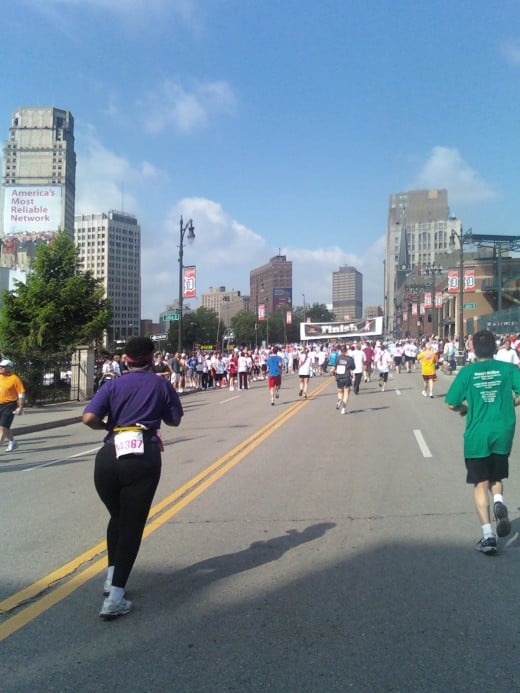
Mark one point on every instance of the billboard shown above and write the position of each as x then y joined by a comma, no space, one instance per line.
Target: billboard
369,327
32,209
32,216
282,299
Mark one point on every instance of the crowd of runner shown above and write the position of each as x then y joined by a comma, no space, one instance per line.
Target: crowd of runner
241,367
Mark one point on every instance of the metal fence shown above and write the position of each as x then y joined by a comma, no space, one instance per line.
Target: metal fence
505,321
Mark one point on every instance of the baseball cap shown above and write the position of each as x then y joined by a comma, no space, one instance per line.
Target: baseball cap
6,362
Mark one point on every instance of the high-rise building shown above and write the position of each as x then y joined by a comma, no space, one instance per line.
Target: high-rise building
109,245
226,304
271,286
347,293
38,182
418,232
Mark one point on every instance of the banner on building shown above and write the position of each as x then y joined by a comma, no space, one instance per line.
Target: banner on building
282,299
422,309
261,311
288,318
427,299
190,282
405,315
32,209
438,299
453,281
332,331
469,279
414,308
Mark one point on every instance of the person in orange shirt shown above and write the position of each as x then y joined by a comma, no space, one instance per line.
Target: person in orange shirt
12,400
428,360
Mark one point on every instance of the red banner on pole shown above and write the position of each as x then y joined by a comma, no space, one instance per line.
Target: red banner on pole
469,279
261,311
427,299
190,282
288,318
453,281
438,299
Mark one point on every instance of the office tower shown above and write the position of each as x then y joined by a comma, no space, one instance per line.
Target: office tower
226,304
418,232
109,245
38,182
271,286
347,293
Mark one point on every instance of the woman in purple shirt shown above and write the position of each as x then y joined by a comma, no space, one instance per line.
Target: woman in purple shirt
128,466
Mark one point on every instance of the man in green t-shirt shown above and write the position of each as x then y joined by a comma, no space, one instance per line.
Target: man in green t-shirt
486,392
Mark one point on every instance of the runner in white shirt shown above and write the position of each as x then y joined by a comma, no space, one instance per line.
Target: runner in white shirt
304,371
507,354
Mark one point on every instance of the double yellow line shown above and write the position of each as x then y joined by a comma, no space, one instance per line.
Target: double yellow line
37,598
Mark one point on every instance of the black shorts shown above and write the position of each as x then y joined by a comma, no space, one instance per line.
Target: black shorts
7,414
492,468
343,383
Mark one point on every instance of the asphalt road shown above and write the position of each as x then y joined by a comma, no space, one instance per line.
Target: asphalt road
289,549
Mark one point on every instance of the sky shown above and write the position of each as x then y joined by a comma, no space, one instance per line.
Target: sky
278,126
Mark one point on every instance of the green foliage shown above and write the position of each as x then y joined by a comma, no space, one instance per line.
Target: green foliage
199,327
243,325
58,308
319,312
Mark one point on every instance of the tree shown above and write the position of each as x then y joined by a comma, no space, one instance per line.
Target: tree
58,308
319,312
199,327
246,328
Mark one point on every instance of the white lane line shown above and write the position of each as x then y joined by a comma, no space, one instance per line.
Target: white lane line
61,459
422,444
229,399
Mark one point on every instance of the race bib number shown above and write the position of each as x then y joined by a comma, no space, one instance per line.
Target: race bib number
341,369
129,443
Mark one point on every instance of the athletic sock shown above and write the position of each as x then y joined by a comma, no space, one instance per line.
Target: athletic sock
110,572
117,593
498,498
487,532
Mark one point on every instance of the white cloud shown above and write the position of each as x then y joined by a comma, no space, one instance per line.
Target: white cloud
224,250
313,268
172,106
105,180
445,168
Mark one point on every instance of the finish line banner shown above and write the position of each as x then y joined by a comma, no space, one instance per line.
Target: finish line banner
372,327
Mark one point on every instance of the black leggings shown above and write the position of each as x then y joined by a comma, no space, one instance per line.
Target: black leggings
242,380
127,487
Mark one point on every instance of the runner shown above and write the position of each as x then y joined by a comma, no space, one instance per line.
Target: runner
274,374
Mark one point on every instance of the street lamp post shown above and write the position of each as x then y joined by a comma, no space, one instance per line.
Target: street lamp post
432,270
461,237
191,237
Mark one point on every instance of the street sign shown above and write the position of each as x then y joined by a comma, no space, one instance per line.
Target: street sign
470,306
158,337
171,316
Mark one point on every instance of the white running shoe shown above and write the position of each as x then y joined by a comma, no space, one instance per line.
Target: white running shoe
343,410
111,609
11,445
106,587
